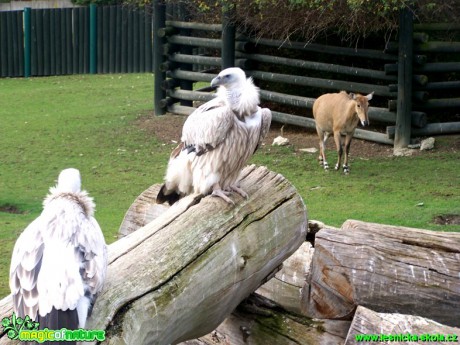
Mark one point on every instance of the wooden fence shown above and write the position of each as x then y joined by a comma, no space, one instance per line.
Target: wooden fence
42,42
175,73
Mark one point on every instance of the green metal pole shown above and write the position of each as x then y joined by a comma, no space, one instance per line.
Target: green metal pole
27,33
92,39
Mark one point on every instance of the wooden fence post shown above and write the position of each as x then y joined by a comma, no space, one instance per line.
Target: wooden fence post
405,54
27,58
159,21
228,36
187,50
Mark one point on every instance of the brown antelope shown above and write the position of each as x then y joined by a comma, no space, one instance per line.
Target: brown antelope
339,113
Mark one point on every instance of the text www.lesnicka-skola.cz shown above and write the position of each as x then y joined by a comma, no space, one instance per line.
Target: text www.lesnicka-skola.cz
426,337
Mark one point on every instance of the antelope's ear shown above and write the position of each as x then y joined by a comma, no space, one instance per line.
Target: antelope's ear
352,95
369,96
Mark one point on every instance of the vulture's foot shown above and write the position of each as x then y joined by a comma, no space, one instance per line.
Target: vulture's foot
222,194
238,190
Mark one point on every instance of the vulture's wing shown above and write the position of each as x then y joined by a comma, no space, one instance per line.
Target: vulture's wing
266,120
25,266
207,126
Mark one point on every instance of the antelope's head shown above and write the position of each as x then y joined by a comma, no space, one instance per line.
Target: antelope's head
362,106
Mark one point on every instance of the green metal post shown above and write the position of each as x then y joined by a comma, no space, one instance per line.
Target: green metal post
27,33
92,39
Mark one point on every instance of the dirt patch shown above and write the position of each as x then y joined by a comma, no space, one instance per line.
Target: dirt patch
11,209
447,219
168,129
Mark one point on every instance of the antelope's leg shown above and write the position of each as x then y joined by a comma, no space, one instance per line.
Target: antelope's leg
338,145
346,168
322,143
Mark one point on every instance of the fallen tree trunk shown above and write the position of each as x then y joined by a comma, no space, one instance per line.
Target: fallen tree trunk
178,277
369,326
258,321
387,269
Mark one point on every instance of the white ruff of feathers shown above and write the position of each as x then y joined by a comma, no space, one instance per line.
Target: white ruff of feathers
82,198
242,97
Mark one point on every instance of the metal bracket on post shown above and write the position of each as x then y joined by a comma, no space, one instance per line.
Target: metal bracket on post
404,102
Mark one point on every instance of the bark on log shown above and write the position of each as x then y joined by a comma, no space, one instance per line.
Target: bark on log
385,268
259,321
369,322
285,288
178,277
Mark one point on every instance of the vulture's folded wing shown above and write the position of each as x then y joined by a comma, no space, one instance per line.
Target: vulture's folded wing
25,265
207,127
92,246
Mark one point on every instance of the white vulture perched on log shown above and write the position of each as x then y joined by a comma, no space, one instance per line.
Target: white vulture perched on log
59,261
217,140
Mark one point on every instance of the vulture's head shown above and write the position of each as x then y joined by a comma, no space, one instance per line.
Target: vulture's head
69,181
230,78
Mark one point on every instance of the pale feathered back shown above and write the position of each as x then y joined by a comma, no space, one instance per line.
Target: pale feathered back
217,140
59,262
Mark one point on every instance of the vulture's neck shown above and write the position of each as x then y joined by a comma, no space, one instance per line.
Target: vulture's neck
243,98
81,198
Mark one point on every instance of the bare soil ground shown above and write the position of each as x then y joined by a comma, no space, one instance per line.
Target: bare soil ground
169,127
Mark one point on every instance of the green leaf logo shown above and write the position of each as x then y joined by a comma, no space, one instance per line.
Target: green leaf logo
13,325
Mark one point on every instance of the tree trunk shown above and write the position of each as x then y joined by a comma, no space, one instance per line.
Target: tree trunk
178,277
385,268
401,328
258,321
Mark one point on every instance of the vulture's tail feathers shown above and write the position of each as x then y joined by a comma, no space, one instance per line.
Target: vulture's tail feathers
58,319
169,196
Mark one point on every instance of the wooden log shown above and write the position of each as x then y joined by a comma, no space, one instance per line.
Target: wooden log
321,66
194,25
370,326
323,83
259,321
325,49
285,287
430,129
387,269
179,276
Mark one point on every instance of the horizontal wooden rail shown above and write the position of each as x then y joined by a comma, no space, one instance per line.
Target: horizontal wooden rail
430,129
194,25
205,42
188,75
318,48
321,66
322,83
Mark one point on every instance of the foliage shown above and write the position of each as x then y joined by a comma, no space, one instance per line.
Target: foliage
307,19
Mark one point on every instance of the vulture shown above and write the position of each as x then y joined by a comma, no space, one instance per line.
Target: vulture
59,261
217,140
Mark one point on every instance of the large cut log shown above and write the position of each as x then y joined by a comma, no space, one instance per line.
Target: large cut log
369,326
258,321
178,277
387,269
285,288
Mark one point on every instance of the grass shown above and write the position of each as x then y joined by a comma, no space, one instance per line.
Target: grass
91,123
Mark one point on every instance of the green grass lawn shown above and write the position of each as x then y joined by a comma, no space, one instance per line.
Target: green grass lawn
90,123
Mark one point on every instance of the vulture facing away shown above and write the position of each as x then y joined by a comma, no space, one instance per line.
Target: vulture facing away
59,261
218,139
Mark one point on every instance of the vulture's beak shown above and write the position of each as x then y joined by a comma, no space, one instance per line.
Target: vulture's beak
216,81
